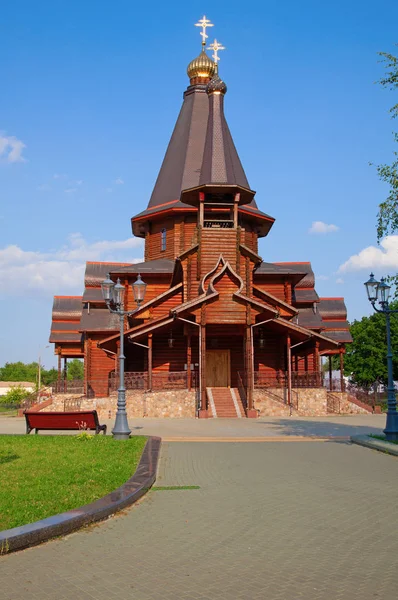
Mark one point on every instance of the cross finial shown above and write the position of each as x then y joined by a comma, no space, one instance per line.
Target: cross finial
203,23
216,47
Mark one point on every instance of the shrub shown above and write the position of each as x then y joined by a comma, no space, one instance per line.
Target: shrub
14,396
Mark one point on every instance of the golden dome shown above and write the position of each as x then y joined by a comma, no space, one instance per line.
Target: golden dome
201,67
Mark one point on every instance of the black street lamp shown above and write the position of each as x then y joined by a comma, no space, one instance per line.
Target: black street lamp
114,299
379,291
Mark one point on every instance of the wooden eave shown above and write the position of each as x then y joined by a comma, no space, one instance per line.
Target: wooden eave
188,252
309,333
258,305
191,194
256,258
159,211
277,301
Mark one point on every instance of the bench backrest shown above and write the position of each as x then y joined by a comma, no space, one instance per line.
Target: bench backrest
62,420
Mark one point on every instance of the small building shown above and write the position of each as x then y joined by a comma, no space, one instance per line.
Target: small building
6,386
218,322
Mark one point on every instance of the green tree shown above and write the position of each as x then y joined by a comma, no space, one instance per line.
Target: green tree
48,376
75,369
20,371
387,222
365,360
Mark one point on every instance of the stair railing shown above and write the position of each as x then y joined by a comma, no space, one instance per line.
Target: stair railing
242,391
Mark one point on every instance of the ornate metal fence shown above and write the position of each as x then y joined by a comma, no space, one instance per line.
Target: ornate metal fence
65,386
139,380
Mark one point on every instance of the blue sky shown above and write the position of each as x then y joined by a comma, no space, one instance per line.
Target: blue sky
90,94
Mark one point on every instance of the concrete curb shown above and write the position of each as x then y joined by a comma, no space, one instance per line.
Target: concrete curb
64,523
375,444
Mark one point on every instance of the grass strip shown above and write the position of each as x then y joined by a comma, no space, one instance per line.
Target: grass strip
45,475
382,438
162,488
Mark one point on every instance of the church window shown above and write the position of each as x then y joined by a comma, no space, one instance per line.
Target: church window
163,240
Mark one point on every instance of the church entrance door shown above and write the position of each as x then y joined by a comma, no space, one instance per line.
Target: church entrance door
218,370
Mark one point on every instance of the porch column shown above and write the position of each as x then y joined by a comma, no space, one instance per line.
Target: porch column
189,360
202,367
150,362
316,364
251,412
65,373
330,373
236,205
59,367
289,369
201,208
342,382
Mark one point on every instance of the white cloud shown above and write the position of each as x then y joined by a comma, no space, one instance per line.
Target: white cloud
62,270
118,181
322,277
44,187
339,280
70,190
109,190
383,258
59,176
321,227
11,148
76,182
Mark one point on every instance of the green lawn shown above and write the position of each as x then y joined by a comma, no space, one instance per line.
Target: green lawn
43,475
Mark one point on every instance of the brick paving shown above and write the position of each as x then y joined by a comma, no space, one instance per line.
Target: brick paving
271,521
237,428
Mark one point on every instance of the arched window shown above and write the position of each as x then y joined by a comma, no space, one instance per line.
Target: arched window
163,240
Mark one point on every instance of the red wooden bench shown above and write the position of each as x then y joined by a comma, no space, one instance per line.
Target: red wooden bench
63,421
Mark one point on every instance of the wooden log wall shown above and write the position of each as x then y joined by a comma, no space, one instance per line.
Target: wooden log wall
165,358
270,359
278,287
250,238
181,233
226,309
99,365
156,284
215,242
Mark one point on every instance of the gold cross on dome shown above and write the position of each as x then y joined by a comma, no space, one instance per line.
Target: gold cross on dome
203,23
216,47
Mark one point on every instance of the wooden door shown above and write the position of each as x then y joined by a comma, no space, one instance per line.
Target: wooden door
218,372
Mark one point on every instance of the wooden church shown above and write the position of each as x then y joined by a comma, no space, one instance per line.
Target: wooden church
217,320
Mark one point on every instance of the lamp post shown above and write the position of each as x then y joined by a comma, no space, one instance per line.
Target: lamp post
114,299
379,291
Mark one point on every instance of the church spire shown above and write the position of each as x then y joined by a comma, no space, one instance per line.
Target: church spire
201,153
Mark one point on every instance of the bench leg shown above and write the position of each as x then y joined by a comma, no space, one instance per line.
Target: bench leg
28,429
36,431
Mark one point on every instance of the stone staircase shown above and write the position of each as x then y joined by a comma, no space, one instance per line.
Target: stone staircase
225,403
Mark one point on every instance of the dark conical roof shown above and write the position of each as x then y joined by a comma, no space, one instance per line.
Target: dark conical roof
183,159
201,138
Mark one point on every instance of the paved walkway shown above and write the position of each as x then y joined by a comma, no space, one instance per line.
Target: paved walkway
269,427
275,521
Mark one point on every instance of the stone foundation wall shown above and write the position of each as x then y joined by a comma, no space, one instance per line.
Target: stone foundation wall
268,406
311,402
176,404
